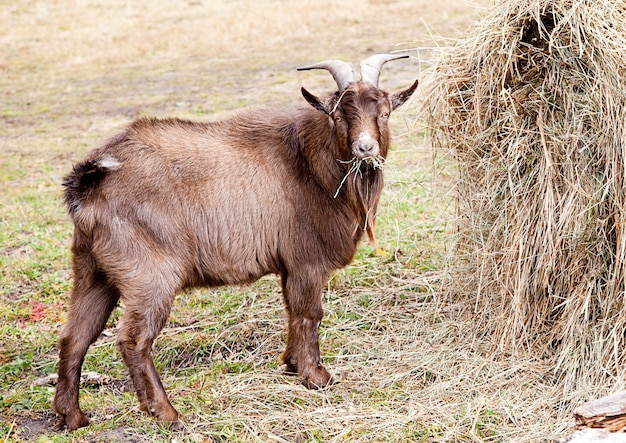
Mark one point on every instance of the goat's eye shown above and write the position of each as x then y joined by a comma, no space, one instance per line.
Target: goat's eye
384,115
337,118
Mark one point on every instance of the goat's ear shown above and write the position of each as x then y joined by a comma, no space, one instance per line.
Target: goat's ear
315,102
398,99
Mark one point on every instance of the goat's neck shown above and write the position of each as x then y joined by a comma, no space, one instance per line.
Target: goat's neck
317,144
360,191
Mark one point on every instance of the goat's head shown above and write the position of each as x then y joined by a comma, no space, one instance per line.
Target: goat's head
359,111
358,115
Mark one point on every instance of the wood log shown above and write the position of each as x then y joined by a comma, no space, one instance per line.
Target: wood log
600,421
90,378
607,412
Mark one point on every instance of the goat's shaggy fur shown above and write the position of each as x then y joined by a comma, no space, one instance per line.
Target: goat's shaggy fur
171,204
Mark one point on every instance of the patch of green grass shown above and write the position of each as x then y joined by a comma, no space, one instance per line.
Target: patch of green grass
26,398
314,436
487,423
418,432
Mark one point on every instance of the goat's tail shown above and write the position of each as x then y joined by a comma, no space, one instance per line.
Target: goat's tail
83,179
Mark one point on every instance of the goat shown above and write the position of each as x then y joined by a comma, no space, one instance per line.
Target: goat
170,204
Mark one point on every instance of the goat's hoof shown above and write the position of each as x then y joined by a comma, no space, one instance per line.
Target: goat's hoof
290,369
318,378
59,425
177,425
169,417
71,422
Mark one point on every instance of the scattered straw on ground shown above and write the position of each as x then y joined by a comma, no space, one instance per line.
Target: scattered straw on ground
406,371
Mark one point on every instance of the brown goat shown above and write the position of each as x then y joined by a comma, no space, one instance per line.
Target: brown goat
172,204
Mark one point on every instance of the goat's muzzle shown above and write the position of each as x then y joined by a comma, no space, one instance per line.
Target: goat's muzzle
365,147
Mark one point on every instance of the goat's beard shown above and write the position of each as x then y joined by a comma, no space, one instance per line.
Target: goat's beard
357,167
364,184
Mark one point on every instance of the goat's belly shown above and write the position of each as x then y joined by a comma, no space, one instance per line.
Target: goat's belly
218,270
226,278
235,256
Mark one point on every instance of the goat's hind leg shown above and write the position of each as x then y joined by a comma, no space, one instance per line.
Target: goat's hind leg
91,303
144,318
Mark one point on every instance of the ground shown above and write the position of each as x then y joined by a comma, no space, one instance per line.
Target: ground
410,368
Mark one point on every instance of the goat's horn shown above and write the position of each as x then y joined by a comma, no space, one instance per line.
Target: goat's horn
341,71
370,67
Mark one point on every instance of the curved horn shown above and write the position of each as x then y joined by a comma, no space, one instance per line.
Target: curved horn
370,67
341,71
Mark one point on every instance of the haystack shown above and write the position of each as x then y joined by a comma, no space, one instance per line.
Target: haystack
532,104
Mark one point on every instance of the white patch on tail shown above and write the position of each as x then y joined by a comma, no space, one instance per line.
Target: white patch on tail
109,163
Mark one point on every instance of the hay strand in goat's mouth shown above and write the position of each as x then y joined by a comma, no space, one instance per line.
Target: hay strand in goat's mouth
355,168
533,106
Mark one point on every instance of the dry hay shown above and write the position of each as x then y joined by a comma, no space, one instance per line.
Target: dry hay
532,105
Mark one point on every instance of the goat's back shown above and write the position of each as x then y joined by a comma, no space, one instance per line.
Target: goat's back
218,203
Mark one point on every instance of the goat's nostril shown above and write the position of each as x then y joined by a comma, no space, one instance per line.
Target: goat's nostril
366,149
365,146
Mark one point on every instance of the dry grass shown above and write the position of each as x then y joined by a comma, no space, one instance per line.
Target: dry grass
532,106
412,368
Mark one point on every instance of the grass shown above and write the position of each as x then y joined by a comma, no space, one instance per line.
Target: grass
410,368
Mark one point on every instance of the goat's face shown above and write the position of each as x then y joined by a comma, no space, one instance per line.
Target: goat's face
359,117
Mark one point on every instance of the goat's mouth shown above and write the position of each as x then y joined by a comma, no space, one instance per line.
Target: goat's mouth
358,166
374,162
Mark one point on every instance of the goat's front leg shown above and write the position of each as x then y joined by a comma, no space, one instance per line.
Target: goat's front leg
303,300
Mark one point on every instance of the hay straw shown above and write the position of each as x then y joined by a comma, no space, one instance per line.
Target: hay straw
410,377
532,105
377,162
